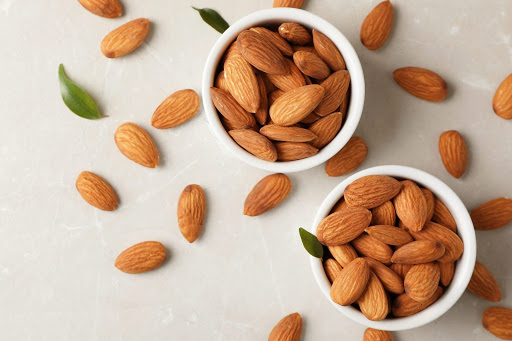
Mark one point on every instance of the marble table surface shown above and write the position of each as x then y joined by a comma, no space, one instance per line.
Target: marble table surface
57,277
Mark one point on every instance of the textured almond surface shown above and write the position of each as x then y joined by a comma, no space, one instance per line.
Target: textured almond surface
401,269
377,26
191,212
374,301
492,214
103,8
344,226
391,281
336,87
483,284
418,252
451,241
498,321
288,134
294,33
275,39
389,234
502,101
422,280
404,305
343,254
255,143
267,194
443,216
447,271
296,104
288,3
351,282
326,129
411,206
291,151
261,115
136,144
340,205
96,191
231,110
328,51
242,82
384,214
371,334
292,79
422,83
332,269
311,64
176,109
221,82
429,198
125,38
142,257
274,95
368,246
348,158
372,191
261,53
453,151
288,329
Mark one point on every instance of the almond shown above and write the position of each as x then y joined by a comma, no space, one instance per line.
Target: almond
371,334
351,282
389,234
288,134
340,205
231,110
326,129
451,241
261,53
230,51
453,151
332,269
418,252
343,254
336,87
292,79
443,216
103,8
255,143
483,284
348,158
447,271
372,190
242,83
401,269
267,194
296,104
136,144
411,206
374,300
422,83
311,65
221,82
295,33
502,101
429,198
422,280
291,151
191,211
377,26
288,329
176,109
261,115
288,3
391,281
328,51
96,191
269,86
275,39
384,214
125,38
344,226
498,321
274,95
311,118
404,305
142,257
368,246
309,49
493,214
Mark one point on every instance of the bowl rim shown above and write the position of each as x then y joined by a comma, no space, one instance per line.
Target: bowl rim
312,21
465,264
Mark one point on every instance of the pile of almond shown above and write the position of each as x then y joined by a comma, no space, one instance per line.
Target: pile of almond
282,94
393,247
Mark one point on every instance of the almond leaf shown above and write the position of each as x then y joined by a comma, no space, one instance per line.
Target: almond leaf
212,18
311,243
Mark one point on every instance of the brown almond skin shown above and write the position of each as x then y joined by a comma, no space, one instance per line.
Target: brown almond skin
368,246
191,212
103,8
231,110
261,53
288,329
422,280
328,51
429,198
344,226
384,214
326,129
350,284
255,143
401,269
498,321
451,241
422,83
267,194
287,134
418,252
292,79
176,109
372,191
294,33
296,104
443,216
344,254
483,284
96,191
261,115
411,206
447,271
332,269
221,82
492,214
348,158
336,87
371,334
311,65
340,205
142,257
136,144
374,301
291,151
276,39
454,153
502,101
274,95
391,281
125,38
389,234
377,26
242,82
288,3
404,305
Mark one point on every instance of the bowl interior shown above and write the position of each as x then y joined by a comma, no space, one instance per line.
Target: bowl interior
464,266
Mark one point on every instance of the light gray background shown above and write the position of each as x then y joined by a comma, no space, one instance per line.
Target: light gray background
57,277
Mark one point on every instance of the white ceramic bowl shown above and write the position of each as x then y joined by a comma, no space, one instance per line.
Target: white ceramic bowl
464,267
278,16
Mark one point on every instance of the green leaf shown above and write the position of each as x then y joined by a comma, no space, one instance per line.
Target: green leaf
311,243
212,18
77,100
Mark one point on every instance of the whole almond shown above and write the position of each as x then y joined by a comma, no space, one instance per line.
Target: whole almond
374,300
261,115
422,83
372,190
502,101
242,82
296,104
221,82
443,216
411,206
418,252
292,79
191,212
389,234
96,191
451,241
274,38
371,334
332,269
291,151
422,280
136,144
348,158
447,272
344,254
326,129
404,305
384,214
377,26
287,134
288,3
498,321
261,53
340,205
391,281
343,226
142,257
294,33
351,282
231,110
309,49
255,143
453,151
274,95
176,109
103,8
328,51
401,269
288,329
429,198
483,284
311,65
492,214
267,194
125,38
230,51
336,87
368,246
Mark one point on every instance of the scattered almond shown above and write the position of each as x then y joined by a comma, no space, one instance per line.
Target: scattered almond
502,101
348,158
483,284
422,83
191,212
103,8
96,191
498,321
178,108
136,144
453,151
377,26
267,194
371,334
142,257
288,3
125,38
493,214
288,329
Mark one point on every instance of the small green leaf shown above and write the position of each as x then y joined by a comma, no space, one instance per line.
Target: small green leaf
77,100
311,243
212,18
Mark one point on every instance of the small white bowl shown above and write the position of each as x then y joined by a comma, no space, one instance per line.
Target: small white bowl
309,20
464,266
